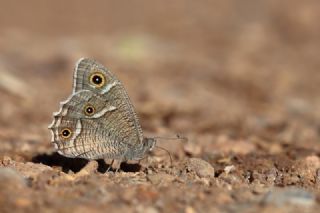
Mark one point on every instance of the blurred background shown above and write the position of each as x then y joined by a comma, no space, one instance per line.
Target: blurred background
194,68
233,76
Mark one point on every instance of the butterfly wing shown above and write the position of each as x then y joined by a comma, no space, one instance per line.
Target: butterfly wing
98,119
93,76
89,126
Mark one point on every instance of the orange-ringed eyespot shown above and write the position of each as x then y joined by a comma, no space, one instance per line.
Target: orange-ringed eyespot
97,79
66,133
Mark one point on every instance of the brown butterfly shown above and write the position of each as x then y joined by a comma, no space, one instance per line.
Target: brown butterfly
98,120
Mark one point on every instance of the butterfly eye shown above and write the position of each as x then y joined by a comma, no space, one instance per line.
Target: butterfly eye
97,79
89,110
66,133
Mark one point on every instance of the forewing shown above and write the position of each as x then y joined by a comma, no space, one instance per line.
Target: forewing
112,89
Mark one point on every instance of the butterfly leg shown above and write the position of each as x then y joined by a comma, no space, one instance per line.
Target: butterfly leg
117,169
120,160
110,165
117,165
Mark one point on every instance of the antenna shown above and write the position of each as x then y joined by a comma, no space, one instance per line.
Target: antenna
178,137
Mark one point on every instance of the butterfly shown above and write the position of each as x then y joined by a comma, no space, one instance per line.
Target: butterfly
98,120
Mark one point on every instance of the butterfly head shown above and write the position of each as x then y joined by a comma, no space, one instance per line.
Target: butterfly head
149,144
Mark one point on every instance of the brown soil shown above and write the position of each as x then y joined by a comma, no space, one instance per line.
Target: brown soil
240,79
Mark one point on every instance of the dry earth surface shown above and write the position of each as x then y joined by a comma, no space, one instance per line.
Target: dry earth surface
240,79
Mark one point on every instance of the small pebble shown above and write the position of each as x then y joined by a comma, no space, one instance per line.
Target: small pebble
6,160
229,169
11,179
200,167
259,189
90,168
271,176
192,149
157,179
291,195
308,167
31,170
189,209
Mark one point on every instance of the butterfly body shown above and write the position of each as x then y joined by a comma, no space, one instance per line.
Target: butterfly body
98,120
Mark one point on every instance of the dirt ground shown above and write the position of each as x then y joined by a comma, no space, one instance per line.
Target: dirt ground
239,79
